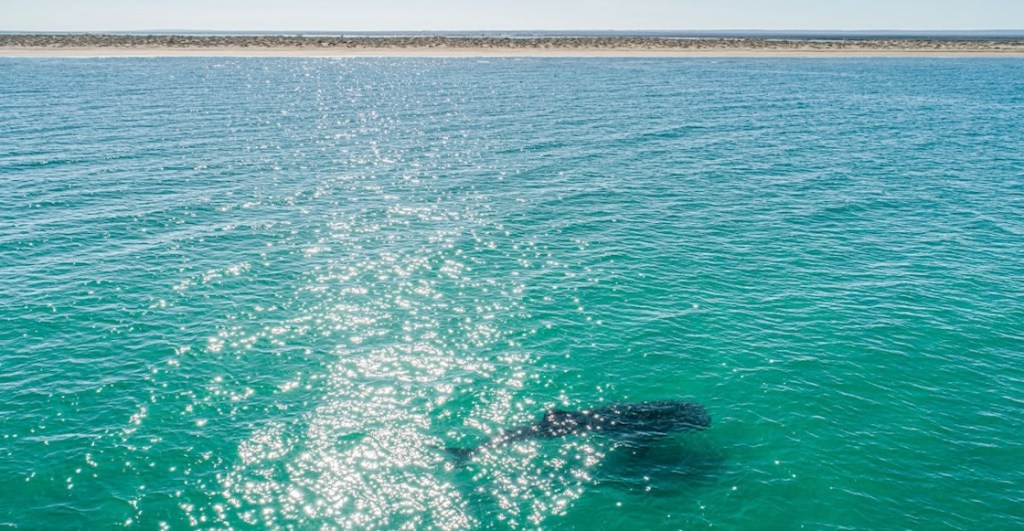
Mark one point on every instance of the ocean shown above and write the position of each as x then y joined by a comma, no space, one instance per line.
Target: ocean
249,292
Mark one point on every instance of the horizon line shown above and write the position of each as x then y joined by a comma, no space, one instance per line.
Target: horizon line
530,30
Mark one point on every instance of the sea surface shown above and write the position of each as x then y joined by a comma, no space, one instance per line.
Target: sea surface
270,292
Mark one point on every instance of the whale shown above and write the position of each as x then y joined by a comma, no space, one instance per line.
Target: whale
645,420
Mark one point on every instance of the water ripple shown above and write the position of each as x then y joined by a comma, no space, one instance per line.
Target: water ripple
262,292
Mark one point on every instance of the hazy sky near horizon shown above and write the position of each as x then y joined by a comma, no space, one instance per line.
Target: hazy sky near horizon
384,15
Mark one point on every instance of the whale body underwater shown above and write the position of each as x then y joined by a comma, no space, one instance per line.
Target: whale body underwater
634,419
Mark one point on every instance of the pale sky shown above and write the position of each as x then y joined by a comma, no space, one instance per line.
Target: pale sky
385,15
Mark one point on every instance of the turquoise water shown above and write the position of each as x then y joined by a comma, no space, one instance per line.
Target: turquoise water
240,292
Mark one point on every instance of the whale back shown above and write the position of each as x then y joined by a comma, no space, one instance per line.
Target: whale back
641,419
645,418
654,418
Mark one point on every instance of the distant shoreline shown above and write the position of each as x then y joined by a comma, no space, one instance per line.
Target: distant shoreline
98,45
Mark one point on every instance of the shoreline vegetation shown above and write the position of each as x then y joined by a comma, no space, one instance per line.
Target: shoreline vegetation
93,45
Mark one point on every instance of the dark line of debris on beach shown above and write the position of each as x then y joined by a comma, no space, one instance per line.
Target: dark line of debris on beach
51,41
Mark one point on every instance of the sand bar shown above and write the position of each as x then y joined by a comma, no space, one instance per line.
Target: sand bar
97,45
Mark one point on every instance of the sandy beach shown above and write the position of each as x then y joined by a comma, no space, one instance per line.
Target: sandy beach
96,45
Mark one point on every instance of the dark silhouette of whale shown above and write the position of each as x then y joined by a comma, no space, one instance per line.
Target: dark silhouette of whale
639,419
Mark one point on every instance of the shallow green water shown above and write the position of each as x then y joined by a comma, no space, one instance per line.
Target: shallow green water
241,292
